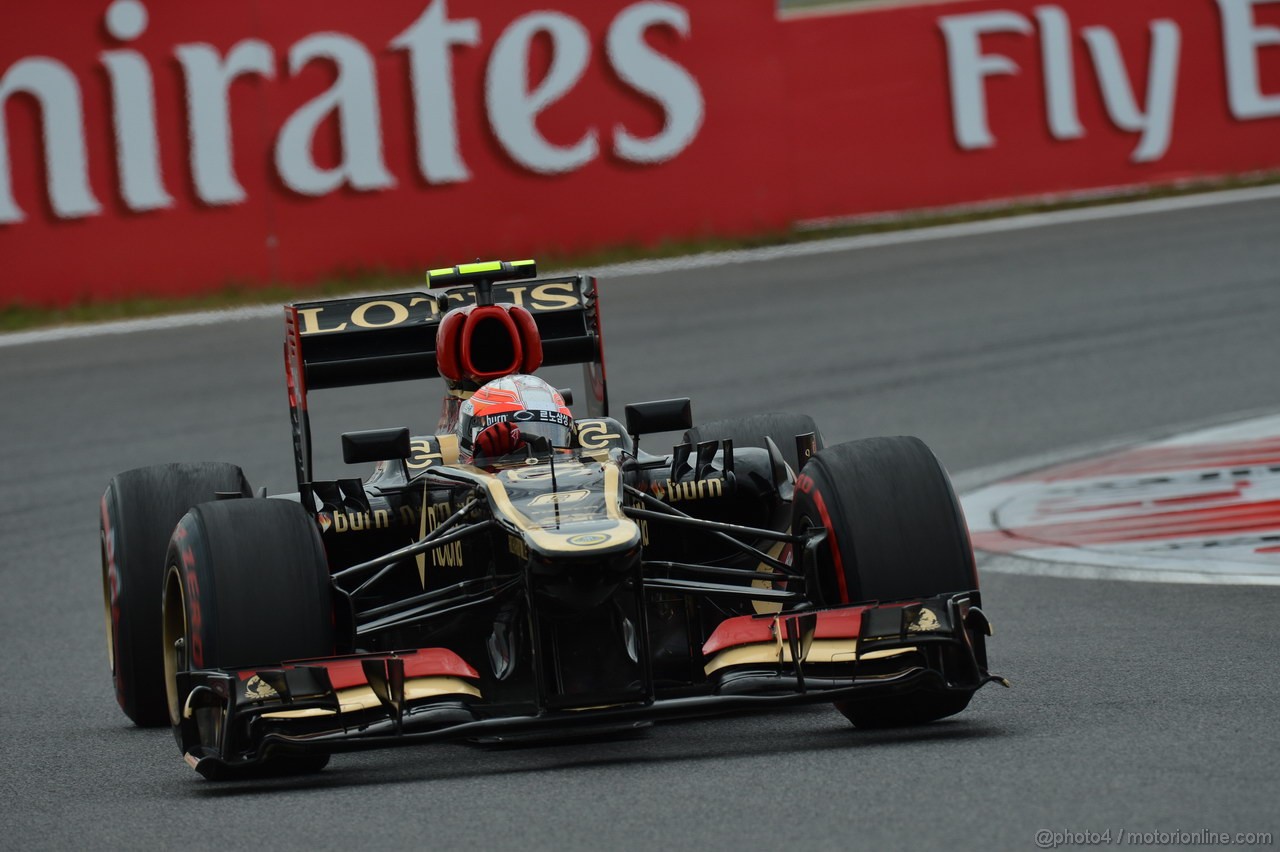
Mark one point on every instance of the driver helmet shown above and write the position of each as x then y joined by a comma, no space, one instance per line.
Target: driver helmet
505,413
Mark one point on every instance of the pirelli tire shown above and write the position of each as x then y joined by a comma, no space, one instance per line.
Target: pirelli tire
246,584
751,431
139,510
896,531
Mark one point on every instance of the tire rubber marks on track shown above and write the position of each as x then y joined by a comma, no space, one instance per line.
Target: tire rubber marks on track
1201,507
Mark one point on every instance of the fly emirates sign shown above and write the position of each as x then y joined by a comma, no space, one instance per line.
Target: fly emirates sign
1150,117
512,105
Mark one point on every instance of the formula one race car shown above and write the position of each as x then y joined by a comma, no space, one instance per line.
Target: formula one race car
523,572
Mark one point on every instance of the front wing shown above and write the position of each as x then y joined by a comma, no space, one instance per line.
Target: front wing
237,719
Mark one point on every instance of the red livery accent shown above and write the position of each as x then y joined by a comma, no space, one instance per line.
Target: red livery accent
743,630
295,375
754,629
449,345
483,342
840,623
185,147
346,672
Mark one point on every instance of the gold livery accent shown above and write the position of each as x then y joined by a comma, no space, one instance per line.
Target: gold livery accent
560,498
774,653
422,533
764,607
596,435
409,308
432,452
257,689
924,622
357,698
550,529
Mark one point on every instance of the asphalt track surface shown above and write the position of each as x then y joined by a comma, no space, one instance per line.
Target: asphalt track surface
1135,706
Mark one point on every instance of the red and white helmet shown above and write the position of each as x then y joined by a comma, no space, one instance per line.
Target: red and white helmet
514,408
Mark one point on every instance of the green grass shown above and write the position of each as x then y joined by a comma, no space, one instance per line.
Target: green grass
17,316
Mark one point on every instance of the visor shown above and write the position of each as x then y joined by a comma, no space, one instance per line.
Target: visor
553,426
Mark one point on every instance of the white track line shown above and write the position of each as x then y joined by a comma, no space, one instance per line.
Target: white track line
723,258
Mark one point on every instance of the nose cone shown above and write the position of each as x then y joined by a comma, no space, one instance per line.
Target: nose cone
568,585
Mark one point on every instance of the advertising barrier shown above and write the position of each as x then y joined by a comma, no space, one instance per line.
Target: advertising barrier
177,148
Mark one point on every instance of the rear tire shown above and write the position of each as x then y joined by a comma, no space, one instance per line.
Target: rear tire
751,431
895,531
246,584
139,511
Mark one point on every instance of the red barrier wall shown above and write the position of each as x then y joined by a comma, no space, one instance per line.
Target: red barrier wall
178,147
889,141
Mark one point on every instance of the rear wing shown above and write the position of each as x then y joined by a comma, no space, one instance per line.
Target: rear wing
390,338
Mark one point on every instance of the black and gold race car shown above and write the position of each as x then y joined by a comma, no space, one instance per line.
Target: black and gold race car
473,590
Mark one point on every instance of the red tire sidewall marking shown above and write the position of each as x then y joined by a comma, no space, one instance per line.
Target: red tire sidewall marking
113,585
191,584
806,485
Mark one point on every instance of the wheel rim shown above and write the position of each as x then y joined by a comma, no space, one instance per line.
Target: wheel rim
174,630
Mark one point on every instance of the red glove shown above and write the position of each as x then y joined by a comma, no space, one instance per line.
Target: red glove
498,440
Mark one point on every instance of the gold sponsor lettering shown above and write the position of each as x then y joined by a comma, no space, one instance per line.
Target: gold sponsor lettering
564,470
379,519
311,321
431,303
560,498
399,314
385,313
449,556
698,489
517,547
554,297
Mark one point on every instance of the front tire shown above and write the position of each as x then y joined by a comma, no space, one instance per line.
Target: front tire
895,532
246,584
140,508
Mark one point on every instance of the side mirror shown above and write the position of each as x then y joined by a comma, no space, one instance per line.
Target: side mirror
375,445
664,415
